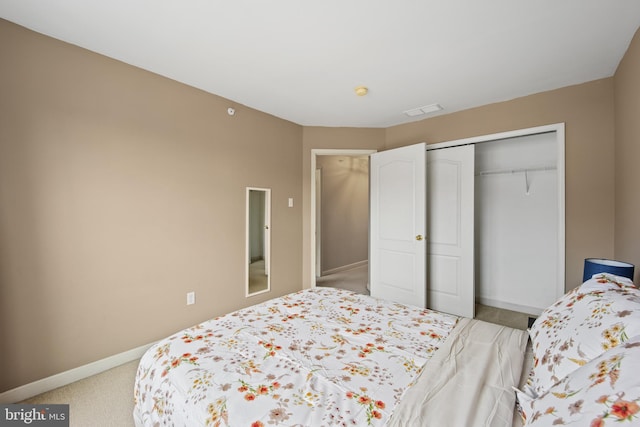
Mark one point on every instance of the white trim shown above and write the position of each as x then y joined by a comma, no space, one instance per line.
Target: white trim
346,267
312,223
318,228
559,129
44,385
561,177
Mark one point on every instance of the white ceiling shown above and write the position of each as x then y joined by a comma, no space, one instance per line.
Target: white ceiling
301,60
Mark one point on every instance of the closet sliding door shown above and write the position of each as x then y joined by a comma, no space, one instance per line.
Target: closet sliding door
423,200
450,230
507,200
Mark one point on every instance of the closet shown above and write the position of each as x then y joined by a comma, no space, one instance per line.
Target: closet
517,222
489,227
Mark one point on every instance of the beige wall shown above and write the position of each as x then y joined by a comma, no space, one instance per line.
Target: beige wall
345,210
627,173
120,191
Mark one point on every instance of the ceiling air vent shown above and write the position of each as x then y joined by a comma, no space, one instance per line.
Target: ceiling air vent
427,109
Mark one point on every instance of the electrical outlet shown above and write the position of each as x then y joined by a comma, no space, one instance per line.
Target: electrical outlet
191,298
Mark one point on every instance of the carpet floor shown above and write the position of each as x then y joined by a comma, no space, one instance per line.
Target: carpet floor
102,400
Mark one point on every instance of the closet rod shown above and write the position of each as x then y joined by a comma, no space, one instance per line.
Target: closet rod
511,171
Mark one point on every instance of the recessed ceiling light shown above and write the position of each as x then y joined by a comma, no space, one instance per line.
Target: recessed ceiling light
427,109
361,90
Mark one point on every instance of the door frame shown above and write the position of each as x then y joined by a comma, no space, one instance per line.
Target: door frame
559,129
312,223
318,229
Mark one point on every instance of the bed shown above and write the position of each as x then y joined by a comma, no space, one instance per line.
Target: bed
325,357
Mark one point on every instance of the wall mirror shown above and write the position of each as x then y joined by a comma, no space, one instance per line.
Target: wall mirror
258,240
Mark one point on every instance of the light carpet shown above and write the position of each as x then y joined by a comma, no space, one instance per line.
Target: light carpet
102,400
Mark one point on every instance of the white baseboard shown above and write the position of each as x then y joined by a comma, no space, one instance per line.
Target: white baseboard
58,380
345,267
534,311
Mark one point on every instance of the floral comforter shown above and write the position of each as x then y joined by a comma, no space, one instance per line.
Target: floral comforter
318,357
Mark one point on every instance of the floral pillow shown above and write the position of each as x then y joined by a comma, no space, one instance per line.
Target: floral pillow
604,281
604,392
589,320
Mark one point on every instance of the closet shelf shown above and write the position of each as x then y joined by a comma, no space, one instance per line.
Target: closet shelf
526,171
512,171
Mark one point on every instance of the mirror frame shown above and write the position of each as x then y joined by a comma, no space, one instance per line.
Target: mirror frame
266,242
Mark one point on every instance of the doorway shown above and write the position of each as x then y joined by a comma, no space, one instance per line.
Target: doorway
340,218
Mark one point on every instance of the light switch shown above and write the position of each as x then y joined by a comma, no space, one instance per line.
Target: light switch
191,298
290,202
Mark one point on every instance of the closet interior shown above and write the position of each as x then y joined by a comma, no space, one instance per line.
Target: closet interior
519,243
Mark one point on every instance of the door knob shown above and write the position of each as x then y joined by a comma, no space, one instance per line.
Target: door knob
419,237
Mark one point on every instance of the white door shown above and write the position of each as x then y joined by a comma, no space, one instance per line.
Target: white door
398,212
450,233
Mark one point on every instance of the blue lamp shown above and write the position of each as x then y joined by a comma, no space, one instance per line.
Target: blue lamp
598,265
